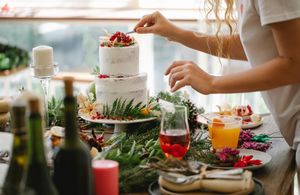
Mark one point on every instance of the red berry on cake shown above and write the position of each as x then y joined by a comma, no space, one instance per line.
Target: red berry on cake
103,76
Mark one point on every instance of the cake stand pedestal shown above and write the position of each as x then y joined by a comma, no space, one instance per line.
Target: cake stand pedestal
120,125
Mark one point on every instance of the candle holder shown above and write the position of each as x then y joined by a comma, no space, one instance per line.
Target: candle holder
44,74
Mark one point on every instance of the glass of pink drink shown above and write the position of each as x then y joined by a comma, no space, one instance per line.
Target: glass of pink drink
175,133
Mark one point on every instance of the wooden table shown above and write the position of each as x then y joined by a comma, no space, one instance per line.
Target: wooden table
277,176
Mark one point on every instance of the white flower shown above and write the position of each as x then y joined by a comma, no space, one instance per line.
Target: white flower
87,105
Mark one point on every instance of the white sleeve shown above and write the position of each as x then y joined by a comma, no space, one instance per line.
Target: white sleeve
272,11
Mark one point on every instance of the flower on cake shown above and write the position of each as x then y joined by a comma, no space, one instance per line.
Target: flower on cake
88,106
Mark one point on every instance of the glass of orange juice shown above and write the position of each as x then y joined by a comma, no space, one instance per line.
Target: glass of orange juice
224,130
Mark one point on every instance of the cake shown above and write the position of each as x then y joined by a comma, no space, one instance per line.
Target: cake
119,76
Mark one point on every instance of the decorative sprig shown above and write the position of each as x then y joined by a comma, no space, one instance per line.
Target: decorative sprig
96,70
55,111
192,110
122,109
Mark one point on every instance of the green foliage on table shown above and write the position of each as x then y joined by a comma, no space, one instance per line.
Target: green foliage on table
55,112
193,111
138,147
134,148
12,57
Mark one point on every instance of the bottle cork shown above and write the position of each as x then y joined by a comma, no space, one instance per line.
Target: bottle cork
34,105
18,111
68,86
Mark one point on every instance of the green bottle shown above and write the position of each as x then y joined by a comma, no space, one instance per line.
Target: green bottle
72,165
18,160
37,178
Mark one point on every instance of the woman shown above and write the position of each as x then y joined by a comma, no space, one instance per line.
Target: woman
268,37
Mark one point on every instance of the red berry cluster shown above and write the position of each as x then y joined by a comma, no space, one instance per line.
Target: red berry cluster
97,116
120,37
100,116
103,76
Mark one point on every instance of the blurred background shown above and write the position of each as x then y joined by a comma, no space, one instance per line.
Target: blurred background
72,28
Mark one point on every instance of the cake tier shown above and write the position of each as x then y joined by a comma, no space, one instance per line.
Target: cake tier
118,61
134,87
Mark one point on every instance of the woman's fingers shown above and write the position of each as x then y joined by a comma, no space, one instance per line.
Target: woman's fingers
143,21
175,64
176,77
145,30
179,84
146,24
174,71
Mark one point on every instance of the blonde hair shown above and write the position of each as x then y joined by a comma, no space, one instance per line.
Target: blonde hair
215,7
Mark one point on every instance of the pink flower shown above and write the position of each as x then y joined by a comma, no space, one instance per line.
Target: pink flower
228,154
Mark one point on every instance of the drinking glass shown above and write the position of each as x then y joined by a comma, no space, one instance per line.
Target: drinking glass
224,130
174,132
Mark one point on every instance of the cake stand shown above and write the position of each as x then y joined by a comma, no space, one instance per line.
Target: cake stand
120,125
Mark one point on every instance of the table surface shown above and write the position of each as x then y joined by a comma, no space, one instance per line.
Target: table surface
277,176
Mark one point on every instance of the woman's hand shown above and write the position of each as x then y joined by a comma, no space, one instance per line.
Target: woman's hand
156,23
187,73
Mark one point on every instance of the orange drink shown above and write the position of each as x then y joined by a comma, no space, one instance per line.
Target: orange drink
224,131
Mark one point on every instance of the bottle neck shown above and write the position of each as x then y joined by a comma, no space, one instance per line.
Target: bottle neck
71,134
19,143
36,145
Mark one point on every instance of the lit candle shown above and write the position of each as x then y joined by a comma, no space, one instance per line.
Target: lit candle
106,177
42,56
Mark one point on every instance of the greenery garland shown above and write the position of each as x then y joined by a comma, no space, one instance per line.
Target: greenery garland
12,57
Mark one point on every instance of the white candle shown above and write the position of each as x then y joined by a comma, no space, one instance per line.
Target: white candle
42,56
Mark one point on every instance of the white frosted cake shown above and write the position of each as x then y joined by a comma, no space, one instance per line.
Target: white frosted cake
119,71
119,61
134,87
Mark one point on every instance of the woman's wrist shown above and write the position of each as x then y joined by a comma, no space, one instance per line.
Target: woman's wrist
176,34
214,85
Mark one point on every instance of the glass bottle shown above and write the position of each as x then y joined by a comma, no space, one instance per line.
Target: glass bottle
37,178
72,165
18,159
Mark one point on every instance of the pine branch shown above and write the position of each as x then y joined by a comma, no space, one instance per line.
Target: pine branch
122,109
128,107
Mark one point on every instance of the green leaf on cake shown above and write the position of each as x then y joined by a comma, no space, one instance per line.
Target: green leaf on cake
96,70
113,108
123,109
118,106
128,107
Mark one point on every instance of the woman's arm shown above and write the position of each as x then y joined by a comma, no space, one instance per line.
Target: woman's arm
209,43
280,71
156,23
283,70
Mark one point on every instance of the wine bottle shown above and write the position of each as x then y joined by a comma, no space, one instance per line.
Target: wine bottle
18,161
72,165
37,178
